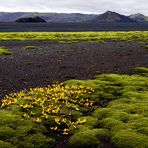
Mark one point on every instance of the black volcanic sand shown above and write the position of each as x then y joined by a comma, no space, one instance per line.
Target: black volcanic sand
59,62
83,26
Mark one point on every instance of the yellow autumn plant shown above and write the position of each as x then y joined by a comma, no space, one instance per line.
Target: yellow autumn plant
40,103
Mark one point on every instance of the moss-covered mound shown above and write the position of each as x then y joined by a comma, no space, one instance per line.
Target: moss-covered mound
16,132
109,111
124,110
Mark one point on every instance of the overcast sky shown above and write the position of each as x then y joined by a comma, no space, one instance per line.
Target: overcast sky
81,6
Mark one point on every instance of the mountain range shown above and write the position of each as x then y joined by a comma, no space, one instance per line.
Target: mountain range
108,16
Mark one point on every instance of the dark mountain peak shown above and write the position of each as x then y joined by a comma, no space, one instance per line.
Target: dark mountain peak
110,16
31,19
109,12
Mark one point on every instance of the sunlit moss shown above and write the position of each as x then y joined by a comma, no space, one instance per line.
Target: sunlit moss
14,129
30,47
4,51
130,139
89,138
4,144
71,37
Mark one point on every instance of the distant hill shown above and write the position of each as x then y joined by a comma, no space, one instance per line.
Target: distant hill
110,16
31,19
48,17
10,17
139,17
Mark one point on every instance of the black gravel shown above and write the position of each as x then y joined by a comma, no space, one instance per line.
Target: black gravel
53,61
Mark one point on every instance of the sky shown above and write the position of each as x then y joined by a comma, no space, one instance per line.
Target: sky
75,6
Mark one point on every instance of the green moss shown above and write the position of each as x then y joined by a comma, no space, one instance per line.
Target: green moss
85,139
6,132
119,127
91,121
109,123
30,128
30,47
33,140
80,128
4,51
102,112
125,107
15,109
87,83
9,119
76,36
6,145
74,113
129,139
103,135
139,122
122,116
22,133
146,47
143,130
142,70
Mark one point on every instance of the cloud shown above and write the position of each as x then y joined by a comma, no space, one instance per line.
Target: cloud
82,6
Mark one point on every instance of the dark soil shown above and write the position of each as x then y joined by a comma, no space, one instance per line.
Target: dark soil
59,62
82,26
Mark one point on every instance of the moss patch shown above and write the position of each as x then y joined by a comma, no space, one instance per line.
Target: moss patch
129,139
4,51
16,132
71,37
30,47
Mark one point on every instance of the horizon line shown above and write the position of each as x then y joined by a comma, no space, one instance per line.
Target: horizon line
67,12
